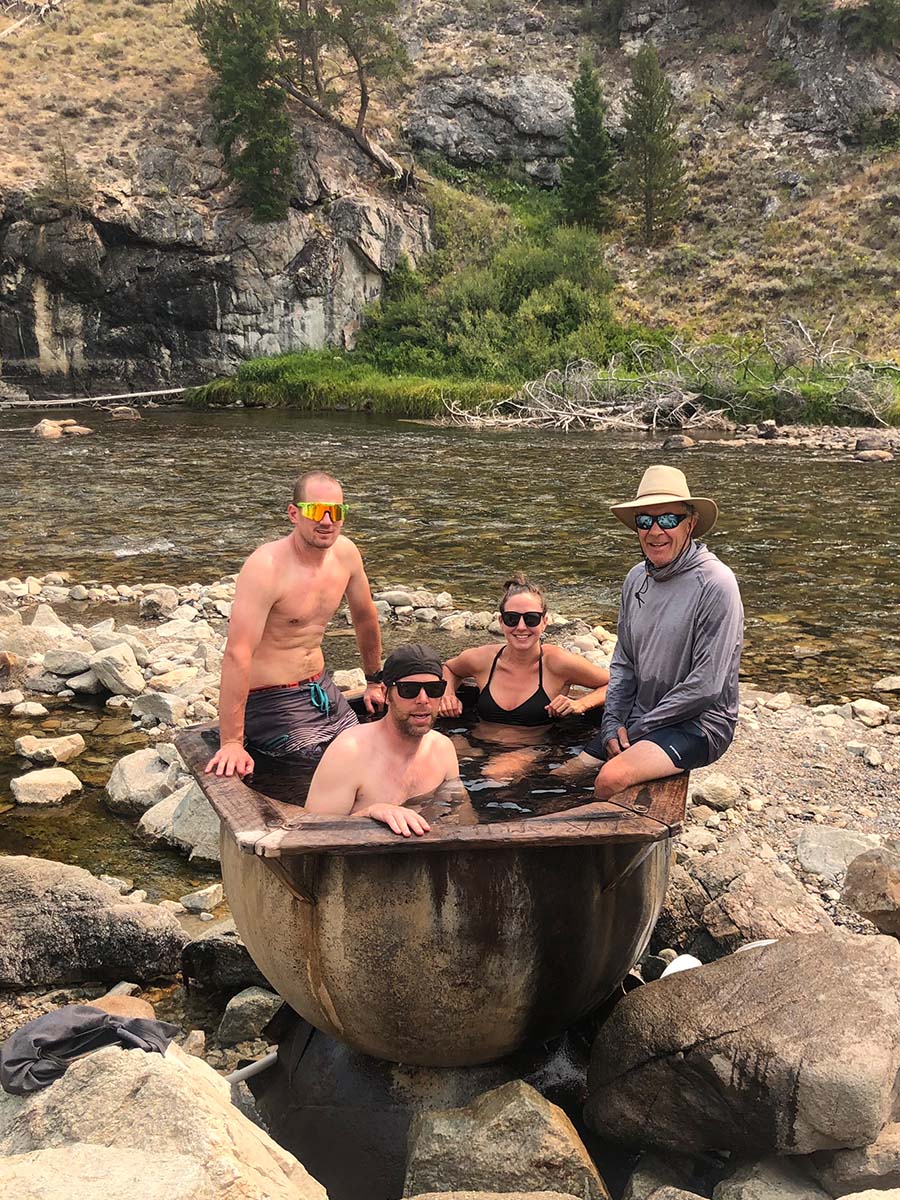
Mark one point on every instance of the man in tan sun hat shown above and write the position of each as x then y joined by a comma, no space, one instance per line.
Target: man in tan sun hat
672,702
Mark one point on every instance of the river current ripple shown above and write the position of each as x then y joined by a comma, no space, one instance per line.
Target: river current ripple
182,496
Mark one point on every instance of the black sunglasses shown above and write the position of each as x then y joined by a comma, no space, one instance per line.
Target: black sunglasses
531,619
645,521
408,689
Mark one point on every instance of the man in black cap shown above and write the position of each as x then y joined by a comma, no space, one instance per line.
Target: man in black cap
372,770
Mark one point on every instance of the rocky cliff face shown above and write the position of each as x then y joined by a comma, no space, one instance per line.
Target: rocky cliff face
162,278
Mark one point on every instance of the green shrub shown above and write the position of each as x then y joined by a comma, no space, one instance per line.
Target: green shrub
873,26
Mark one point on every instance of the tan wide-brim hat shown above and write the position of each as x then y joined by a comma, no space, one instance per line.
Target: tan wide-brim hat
662,485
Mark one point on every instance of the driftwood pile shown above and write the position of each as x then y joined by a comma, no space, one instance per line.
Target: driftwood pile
670,384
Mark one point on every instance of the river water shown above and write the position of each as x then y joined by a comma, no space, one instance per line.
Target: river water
182,496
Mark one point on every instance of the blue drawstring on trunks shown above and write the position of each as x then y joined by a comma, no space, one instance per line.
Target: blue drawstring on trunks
318,697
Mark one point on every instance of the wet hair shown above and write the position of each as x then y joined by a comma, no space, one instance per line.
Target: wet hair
307,476
519,584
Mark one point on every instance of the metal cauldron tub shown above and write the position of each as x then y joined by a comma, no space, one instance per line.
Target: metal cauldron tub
454,949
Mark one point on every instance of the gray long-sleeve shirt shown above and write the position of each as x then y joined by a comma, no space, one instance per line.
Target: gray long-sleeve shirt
681,629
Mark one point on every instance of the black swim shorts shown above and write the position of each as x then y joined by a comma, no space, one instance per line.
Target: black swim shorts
300,719
686,748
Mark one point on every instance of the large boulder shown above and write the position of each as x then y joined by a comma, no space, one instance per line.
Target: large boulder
787,1048
146,1126
140,780
219,960
58,924
186,821
753,896
872,888
480,122
509,1139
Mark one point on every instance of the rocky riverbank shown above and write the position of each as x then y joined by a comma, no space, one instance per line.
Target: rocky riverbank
793,836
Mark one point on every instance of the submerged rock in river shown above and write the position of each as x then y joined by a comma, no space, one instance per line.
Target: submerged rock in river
787,1048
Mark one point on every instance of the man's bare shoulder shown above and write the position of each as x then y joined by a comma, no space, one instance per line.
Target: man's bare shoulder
347,552
266,559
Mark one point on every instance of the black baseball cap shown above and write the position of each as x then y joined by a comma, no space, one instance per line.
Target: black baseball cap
415,658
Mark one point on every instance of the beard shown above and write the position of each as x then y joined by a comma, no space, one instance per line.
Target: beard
407,728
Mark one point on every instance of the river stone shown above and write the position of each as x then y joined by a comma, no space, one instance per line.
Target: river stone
50,750
157,1120
494,1196
508,1139
219,960
140,780
58,924
870,712
396,598
87,683
872,888
808,1061
769,1179
46,620
827,851
161,602
68,660
715,789
28,708
171,681
186,821
753,895
50,786
454,623
190,631
874,1166
159,707
204,900
246,1015
117,669
874,456
889,683
656,1171
350,681
107,638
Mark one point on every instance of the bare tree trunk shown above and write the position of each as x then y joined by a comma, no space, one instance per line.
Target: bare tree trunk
389,166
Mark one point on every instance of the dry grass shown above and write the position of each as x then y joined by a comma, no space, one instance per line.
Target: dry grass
104,77
111,76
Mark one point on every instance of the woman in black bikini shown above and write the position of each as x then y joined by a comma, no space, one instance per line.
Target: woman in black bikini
523,683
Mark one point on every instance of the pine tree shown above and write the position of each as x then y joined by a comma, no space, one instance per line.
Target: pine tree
238,39
587,174
652,173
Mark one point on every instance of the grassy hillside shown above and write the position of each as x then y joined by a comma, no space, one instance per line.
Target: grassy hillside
107,77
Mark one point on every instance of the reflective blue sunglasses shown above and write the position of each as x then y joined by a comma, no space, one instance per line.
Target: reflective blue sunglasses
644,521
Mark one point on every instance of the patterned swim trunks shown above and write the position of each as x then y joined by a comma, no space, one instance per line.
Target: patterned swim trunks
299,719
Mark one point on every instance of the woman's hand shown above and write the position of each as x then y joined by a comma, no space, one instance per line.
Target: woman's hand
400,819
451,705
564,706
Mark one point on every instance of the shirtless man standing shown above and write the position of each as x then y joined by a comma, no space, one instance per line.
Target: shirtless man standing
372,770
275,691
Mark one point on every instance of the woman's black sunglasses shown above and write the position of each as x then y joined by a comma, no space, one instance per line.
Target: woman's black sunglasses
408,689
531,619
645,521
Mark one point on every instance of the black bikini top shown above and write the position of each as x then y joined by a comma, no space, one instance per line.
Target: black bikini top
532,711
